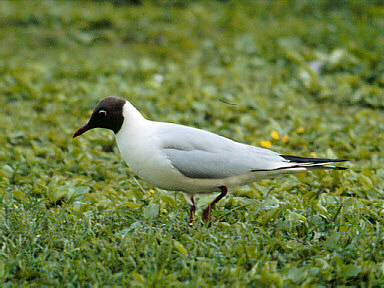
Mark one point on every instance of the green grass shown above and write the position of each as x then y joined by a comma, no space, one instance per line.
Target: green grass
73,214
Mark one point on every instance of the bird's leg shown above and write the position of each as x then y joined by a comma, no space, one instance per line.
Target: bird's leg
207,211
192,211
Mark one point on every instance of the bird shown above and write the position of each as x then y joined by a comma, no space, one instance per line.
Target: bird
191,160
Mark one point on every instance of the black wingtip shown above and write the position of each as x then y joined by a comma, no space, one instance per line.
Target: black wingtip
340,168
298,159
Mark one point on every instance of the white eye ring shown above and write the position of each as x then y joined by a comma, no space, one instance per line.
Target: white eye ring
103,112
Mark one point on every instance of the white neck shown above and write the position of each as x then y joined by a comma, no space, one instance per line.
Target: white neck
130,112
132,120
133,135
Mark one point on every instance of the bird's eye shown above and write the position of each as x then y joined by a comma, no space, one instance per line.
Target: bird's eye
103,113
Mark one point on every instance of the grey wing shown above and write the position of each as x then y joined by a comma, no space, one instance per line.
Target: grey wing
201,154
205,165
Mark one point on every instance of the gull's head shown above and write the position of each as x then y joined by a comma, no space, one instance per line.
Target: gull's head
108,113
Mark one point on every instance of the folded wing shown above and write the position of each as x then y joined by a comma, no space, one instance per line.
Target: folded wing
201,154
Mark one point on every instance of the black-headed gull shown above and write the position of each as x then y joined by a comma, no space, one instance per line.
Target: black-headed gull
180,158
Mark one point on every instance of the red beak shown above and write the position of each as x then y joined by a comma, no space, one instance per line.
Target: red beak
81,130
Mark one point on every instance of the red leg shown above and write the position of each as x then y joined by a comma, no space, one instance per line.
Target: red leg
207,211
192,211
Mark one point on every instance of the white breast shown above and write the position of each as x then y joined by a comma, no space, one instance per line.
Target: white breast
139,147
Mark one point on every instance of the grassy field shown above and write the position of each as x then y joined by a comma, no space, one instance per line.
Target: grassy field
302,78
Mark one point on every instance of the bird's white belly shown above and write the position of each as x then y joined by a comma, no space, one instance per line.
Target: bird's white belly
150,165
153,167
153,170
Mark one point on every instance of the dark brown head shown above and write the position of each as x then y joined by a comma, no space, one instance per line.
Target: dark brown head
108,113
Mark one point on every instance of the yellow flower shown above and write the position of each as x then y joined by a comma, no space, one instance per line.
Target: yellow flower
300,130
285,138
275,135
266,144
313,154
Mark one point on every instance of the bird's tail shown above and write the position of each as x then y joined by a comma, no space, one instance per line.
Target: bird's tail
313,163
